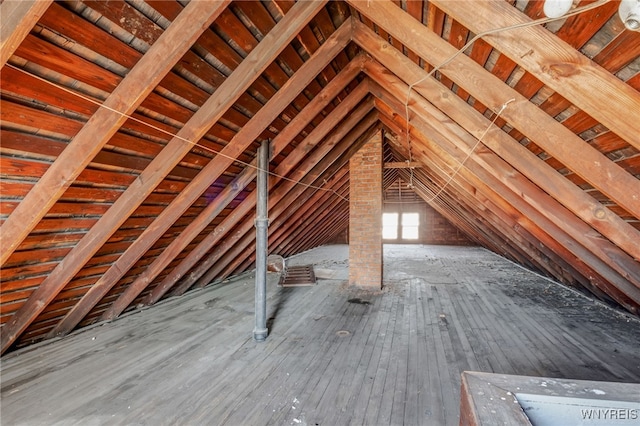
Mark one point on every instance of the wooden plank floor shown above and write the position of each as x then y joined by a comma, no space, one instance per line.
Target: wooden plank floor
333,357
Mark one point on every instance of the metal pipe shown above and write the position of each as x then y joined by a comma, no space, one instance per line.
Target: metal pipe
261,223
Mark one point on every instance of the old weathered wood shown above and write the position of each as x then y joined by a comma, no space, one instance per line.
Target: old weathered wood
105,122
170,155
311,218
546,220
552,136
564,191
625,266
488,399
289,195
241,210
297,195
206,177
18,18
401,165
469,206
559,66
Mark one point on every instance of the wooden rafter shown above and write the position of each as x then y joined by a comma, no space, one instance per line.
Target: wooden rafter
102,125
488,167
242,77
314,164
553,137
295,126
508,225
605,251
209,174
298,195
459,200
587,208
554,62
288,92
18,18
401,165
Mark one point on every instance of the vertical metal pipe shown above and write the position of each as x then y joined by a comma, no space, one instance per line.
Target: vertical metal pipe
261,222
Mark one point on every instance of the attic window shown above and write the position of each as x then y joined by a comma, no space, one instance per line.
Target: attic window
410,223
403,226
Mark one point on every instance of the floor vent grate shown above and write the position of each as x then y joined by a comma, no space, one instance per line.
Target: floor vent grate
298,276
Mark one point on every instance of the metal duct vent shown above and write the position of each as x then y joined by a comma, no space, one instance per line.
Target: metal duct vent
298,276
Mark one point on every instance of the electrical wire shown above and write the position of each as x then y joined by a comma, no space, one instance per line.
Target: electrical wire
406,103
410,89
172,135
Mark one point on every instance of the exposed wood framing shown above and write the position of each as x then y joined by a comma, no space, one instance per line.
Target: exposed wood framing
550,135
102,125
299,195
18,17
512,227
209,174
194,130
285,95
587,208
402,165
287,196
100,213
555,63
490,171
283,139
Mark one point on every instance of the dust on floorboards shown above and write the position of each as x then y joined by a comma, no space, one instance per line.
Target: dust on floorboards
334,356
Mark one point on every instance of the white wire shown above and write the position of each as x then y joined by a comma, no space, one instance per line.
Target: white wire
462,49
173,135
406,104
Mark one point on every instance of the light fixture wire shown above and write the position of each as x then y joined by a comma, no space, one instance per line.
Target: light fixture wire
478,36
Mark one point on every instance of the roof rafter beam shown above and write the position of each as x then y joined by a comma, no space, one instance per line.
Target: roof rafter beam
284,138
209,174
288,195
298,195
572,197
311,206
18,18
548,207
313,214
130,93
451,141
554,62
223,98
524,244
553,137
498,219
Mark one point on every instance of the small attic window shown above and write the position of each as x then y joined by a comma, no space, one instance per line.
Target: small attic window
403,226
410,224
390,226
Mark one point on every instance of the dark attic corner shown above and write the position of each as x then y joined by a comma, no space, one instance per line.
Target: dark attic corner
447,208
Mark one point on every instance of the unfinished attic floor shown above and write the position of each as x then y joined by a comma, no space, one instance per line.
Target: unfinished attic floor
333,357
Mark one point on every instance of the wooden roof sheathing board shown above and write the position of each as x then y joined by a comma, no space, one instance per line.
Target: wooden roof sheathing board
129,131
